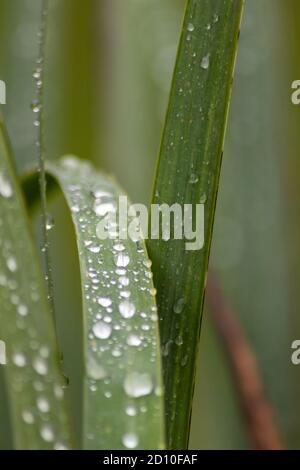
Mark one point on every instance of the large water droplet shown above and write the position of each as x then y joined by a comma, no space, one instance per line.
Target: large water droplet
122,260
190,27
130,440
12,264
102,330
27,417
205,62
47,433
40,366
19,359
179,306
126,309
104,301
102,209
138,385
134,340
6,189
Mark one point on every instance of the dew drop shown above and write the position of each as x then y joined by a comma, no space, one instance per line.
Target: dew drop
40,366
22,310
130,440
27,417
190,27
205,62
102,330
119,247
5,187
19,359
134,340
49,222
95,370
47,433
122,260
130,410
124,281
43,404
138,385
126,309
104,301
193,178
102,209
203,198
12,264
179,306
94,248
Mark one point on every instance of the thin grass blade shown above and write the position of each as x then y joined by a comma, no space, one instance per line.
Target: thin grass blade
188,173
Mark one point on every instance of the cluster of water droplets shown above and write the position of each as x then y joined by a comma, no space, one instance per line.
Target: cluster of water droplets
119,298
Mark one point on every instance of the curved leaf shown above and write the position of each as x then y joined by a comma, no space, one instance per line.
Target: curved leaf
123,402
32,375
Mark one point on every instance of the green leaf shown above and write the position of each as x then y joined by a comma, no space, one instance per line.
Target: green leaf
188,173
32,375
122,384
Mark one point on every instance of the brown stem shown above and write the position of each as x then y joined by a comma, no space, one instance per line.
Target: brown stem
259,415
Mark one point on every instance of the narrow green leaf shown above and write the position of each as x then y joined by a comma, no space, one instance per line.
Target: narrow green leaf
188,173
122,386
32,375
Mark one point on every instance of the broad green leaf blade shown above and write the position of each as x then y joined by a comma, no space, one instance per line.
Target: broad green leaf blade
32,374
188,173
123,399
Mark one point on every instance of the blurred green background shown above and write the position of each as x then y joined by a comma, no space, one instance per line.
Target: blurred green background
108,74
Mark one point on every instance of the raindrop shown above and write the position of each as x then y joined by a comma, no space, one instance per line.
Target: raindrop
5,187
22,310
126,309
138,385
98,193
179,306
19,359
122,260
102,209
27,417
47,433
49,222
203,198
43,404
124,281
94,248
94,370
102,330
130,410
119,247
12,264
134,340
36,106
130,440
205,62
60,446
104,301
190,27
40,366
193,178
